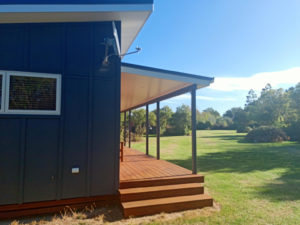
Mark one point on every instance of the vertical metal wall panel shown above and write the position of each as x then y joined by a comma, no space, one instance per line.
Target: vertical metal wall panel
75,137
78,49
103,160
41,160
9,160
46,48
13,47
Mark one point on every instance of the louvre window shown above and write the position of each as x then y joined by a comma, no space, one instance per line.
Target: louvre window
31,93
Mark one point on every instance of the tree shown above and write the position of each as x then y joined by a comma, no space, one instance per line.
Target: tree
180,123
165,116
251,97
138,122
212,112
241,118
231,112
271,108
152,122
207,119
295,100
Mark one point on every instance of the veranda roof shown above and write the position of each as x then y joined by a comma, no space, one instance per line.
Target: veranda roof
142,85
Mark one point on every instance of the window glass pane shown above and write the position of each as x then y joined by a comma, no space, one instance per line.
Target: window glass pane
32,93
1,81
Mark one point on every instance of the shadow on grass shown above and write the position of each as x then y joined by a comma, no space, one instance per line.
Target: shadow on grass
257,157
238,138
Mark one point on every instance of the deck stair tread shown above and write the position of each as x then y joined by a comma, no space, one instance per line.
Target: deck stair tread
164,201
170,204
154,192
159,188
149,186
193,178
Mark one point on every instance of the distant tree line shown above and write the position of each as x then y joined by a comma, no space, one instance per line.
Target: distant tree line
277,108
171,123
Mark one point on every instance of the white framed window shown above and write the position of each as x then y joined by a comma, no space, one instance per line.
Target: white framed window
31,93
2,90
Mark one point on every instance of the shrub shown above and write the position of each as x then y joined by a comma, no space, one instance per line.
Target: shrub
243,129
266,134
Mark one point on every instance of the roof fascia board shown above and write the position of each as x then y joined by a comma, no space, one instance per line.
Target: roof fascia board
35,8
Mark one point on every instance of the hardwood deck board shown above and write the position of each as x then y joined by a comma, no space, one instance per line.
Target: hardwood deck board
138,166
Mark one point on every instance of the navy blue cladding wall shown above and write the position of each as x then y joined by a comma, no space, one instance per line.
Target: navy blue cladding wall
75,138
10,140
45,48
78,50
103,136
40,175
12,47
43,149
9,2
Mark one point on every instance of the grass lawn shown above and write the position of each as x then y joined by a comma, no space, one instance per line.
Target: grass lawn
253,183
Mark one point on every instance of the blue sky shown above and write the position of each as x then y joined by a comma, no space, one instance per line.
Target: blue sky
243,44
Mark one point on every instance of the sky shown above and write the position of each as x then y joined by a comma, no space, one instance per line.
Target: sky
242,44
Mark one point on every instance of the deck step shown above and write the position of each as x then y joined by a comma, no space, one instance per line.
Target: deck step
170,204
193,178
143,193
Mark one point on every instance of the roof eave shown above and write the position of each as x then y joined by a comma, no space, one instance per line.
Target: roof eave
200,81
132,16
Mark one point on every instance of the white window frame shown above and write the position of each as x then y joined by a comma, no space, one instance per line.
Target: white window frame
2,107
7,76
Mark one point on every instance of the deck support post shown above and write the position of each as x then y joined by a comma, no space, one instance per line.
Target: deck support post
147,129
129,129
124,124
157,131
194,131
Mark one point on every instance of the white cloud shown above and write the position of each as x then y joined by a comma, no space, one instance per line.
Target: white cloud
200,97
258,81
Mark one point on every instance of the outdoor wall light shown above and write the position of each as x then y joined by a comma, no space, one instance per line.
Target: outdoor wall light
106,58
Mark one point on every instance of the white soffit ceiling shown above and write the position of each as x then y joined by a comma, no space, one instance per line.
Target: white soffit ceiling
137,90
133,17
140,86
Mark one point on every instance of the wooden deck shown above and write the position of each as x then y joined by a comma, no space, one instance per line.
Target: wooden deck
149,186
138,166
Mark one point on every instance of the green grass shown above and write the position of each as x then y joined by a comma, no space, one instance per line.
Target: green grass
253,183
